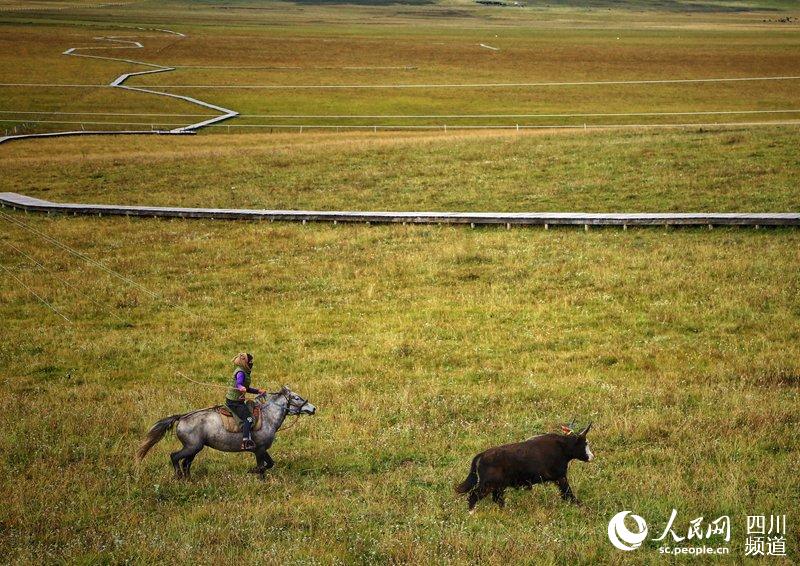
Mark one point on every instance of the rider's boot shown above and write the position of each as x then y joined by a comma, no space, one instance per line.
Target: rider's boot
247,442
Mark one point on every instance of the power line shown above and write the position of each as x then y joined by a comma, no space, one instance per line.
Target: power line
507,126
431,85
64,281
565,115
94,263
406,116
34,293
430,126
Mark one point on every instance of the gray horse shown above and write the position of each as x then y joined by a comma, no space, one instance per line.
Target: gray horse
204,428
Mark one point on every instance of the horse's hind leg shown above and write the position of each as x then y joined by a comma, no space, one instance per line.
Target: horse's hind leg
187,463
181,468
175,458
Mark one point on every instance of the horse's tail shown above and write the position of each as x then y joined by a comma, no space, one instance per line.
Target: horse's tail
155,434
472,479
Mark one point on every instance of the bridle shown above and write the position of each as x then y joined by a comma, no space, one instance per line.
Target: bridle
289,404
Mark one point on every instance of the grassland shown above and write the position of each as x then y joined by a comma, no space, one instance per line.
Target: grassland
276,45
420,345
731,170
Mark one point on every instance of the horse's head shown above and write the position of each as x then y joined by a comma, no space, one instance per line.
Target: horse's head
296,405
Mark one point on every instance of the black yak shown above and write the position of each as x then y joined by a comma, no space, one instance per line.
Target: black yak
541,459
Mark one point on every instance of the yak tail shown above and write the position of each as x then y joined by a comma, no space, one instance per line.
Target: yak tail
155,434
472,479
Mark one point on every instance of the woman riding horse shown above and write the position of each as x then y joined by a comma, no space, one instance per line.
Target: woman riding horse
235,398
204,427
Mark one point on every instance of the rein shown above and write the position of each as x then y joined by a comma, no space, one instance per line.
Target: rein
294,422
288,408
183,375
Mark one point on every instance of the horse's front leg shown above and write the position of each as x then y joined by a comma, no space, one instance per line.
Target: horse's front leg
263,461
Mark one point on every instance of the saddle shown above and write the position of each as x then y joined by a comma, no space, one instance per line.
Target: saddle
233,423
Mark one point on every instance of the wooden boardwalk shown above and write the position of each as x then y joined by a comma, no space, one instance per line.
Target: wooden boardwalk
15,137
546,219
128,43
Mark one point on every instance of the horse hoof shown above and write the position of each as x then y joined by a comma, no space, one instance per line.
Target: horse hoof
256,470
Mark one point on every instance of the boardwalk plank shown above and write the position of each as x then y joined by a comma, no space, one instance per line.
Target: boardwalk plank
23,202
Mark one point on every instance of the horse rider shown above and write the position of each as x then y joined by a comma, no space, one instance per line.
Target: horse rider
235,398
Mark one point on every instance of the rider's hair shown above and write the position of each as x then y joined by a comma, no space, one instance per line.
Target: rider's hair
243,359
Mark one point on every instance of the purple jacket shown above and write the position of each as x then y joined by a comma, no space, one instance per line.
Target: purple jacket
240,383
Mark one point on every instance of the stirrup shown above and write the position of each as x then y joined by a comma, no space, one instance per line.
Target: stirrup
248,444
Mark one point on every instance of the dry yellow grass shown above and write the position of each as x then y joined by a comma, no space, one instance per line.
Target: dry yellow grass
420,345
722,170
322,50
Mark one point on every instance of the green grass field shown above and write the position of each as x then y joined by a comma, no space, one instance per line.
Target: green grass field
731,170
420,345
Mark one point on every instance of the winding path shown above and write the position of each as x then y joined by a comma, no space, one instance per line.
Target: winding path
124,43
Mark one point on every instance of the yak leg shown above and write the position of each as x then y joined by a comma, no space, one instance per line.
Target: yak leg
477,493
497,497
472,500
566,490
